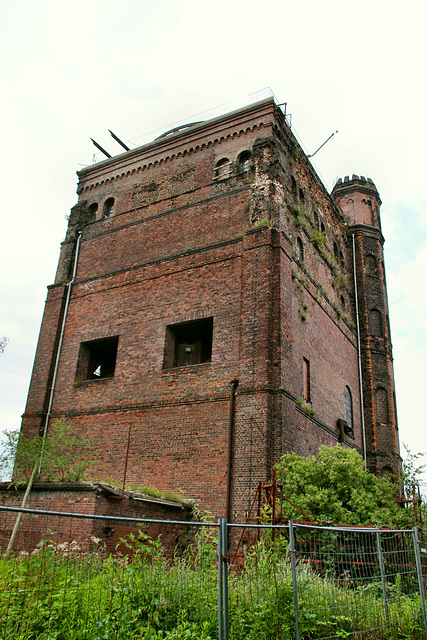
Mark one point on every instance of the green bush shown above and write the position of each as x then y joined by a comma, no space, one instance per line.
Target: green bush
334,486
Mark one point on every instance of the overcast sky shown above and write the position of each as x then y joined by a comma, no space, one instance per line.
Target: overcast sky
71,71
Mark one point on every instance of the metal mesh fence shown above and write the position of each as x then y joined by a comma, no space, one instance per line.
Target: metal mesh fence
68,584
292,581
332,582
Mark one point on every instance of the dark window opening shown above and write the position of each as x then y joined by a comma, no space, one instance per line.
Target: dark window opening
306,380
299,250
244,162
348,407
108,208
293,187
316,220
301,196
322,227
336,252
188,343
97,359
93,208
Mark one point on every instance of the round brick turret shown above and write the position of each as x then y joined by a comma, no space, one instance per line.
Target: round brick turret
360,202
358,199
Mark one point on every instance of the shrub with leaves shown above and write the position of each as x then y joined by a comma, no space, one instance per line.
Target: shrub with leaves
334,486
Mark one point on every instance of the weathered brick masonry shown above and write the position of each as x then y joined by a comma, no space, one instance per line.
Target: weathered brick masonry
90,499
215,254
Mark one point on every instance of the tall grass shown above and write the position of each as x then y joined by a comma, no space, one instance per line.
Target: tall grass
64,592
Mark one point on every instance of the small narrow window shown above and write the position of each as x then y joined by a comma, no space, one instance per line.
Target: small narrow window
188,343
108,208
299,250
301,196
371,265
381,406
244,162
342,261
222,169
336,252
306,380
293,187
322,227
316,220
375,323
348,407
97,359
342,303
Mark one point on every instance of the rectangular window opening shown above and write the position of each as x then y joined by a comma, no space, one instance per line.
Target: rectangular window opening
97,359
188,343
306,379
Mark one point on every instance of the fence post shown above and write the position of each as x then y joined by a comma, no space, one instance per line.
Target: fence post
383,581
294,578
420,574
222,580
220,596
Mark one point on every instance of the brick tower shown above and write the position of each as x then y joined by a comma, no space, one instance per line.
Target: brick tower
360,203
203,313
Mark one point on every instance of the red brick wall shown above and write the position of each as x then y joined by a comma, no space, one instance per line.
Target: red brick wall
179,246
82,498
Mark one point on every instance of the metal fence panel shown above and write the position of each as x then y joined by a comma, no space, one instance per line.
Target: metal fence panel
77,588
330,582
293,581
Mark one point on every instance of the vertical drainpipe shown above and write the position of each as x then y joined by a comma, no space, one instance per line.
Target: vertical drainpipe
38,463
359,354
231,419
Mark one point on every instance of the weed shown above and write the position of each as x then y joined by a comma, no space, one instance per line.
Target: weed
318,238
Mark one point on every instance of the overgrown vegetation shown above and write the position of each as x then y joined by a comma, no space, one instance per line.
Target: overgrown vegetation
74,591
65,455
334,486
61,592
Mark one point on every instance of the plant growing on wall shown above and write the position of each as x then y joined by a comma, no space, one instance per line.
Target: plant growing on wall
339,281
66,455
318,238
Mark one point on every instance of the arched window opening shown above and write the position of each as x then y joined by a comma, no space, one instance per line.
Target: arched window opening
293,187
244,162
301,195
93,208
381,406
316,220
371,265
342,303
375,323
322,227
299,250
342,261
222,169
348,407
108,208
